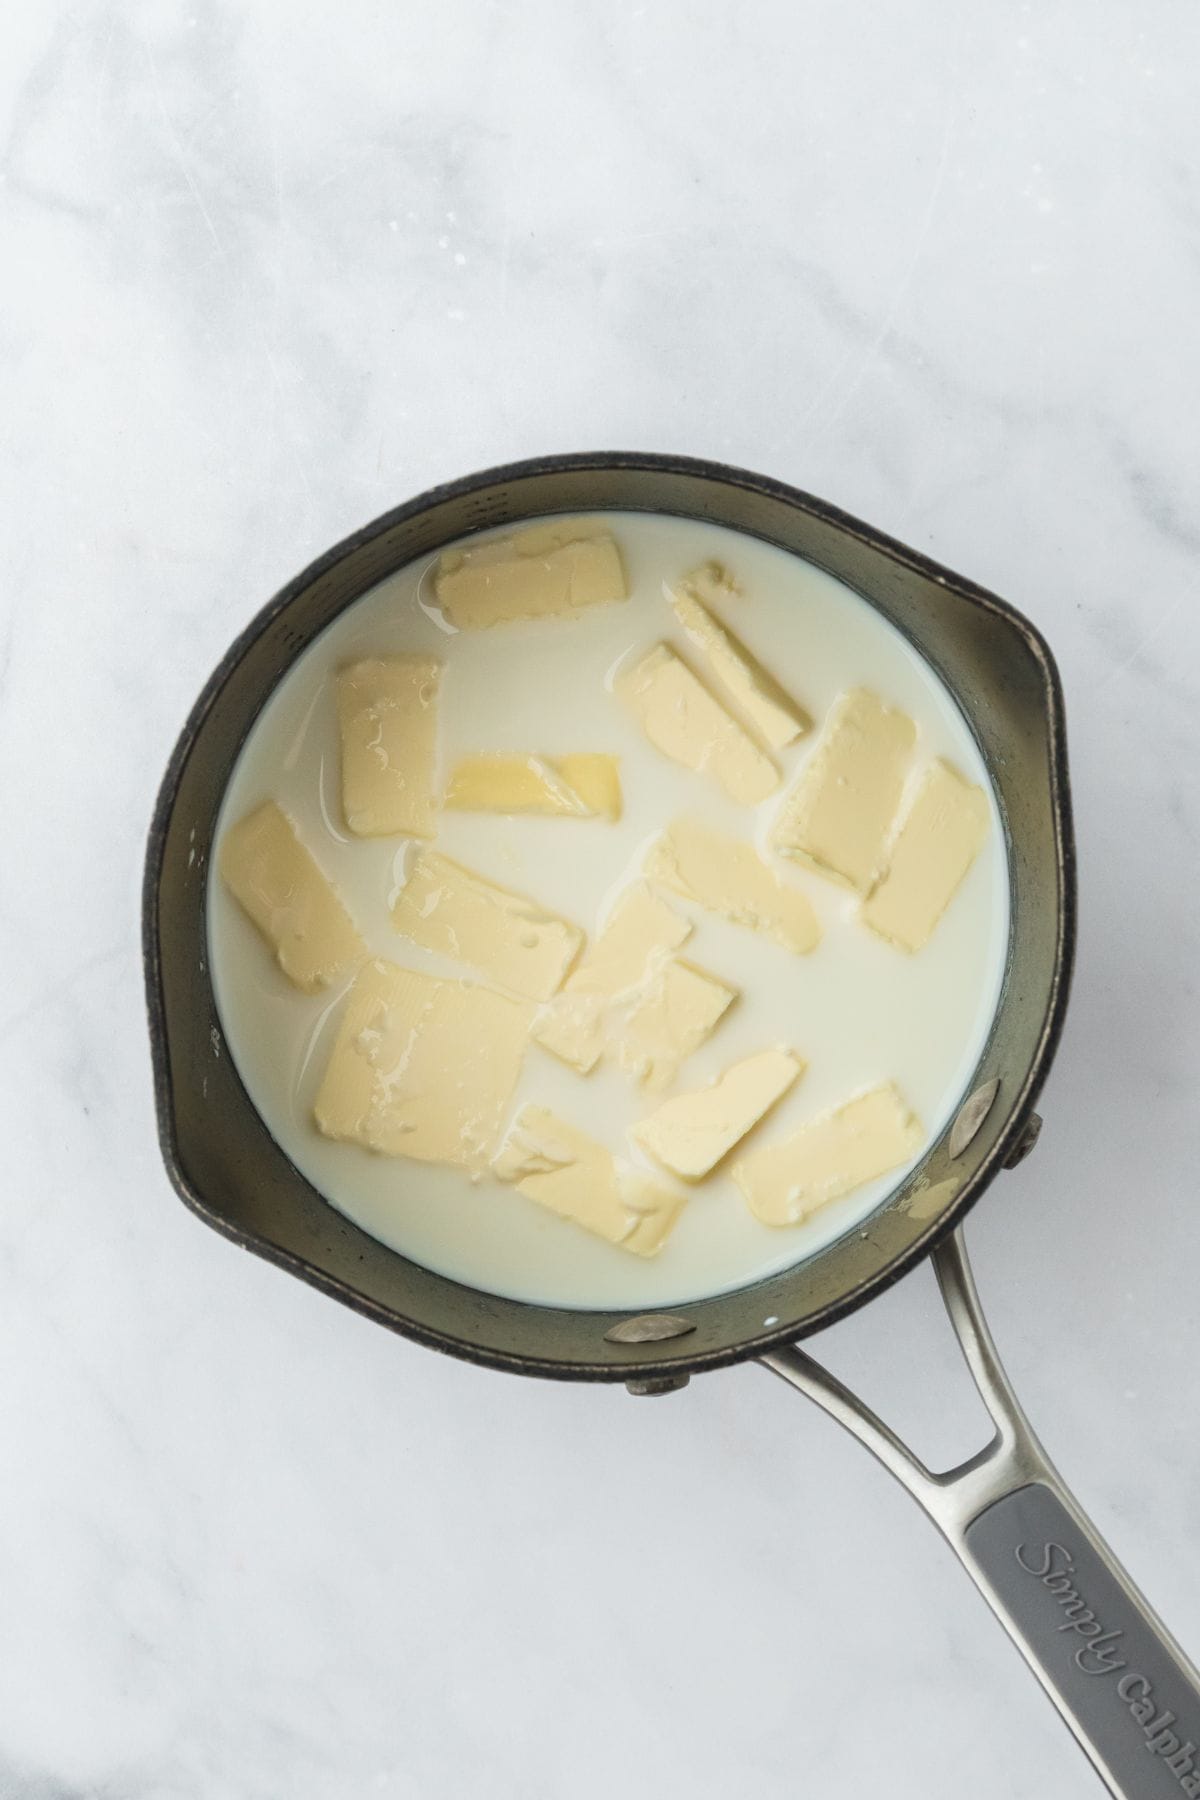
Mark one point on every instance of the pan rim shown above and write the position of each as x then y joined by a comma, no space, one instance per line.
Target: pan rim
634,1366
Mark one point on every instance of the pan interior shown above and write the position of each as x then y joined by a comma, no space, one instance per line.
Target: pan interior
226,1166
858,1011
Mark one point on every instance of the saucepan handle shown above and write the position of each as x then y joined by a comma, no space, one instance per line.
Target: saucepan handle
1121,1682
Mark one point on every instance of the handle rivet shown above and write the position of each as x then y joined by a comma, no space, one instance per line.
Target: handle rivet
649,1328
971,1115
1026,1141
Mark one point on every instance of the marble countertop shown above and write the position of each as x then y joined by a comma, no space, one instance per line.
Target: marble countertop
270,269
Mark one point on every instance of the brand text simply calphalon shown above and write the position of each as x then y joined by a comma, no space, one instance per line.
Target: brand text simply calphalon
1100,1652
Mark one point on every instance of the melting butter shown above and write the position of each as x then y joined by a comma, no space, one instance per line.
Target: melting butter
839,814
279,886
583,785
638,937
544,571
785,1182
468,918
730,878
688,724
777,718
421,1067
938,841
690,1133
566,1171
387,709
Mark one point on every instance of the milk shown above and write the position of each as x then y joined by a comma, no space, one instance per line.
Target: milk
857,1010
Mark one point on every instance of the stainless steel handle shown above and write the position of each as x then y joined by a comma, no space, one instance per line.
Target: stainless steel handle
1117,1676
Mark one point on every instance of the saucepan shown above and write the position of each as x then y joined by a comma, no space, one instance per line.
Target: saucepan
1120,1681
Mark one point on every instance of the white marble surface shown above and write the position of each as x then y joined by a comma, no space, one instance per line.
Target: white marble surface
269,269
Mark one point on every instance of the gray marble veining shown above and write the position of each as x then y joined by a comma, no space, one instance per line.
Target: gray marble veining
268,270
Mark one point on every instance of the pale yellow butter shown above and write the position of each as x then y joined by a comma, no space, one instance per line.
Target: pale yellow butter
640,934
422,1067
690,1133
777,718
566,1171
596,778
541,571
939,838
688,724
272,875
730,878
508,937
830,1156
387,715
582,785
840,811
671,1016
713,583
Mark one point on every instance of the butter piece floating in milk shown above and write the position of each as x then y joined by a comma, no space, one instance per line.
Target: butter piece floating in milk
670,1017
690,1133
639,936
840,811
422,1067
583,785
688,724
786,1183
630,1000
509,938
276,881
712,582
730,878
542,571
939,838
776,717
566,1171
387,715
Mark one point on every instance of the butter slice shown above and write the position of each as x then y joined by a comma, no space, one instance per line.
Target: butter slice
731,879
387,714
938,841
786,1183
422,1067
770,709
688,724
690,1133
542,571
640,934
840,811
596,778
461,914
276,881
669,1018
569,1173
583,785
712,581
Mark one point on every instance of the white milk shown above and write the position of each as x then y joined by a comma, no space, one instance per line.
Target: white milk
858,1011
